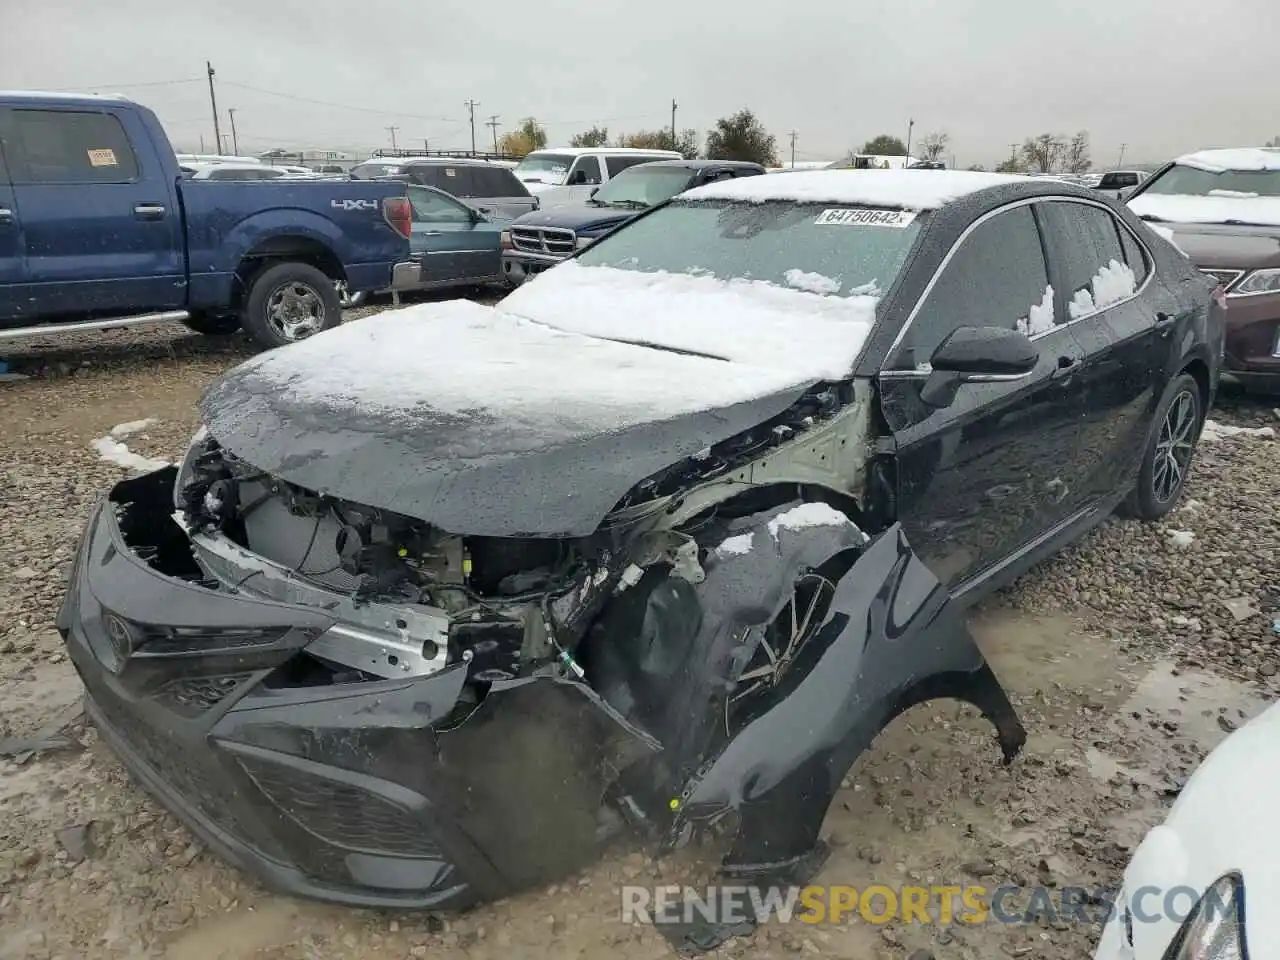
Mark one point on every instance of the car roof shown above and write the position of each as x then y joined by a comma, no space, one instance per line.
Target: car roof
65,98
589,151
1235,158
905,189
698,164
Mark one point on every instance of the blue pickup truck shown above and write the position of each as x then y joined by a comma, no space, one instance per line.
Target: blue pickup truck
99,229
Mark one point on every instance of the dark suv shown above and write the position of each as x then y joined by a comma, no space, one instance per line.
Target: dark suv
542,239
489,187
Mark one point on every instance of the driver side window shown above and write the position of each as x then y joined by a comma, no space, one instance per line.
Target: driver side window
585,170
996,277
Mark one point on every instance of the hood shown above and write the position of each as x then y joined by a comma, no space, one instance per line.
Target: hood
582,219
1223,821
481,422
1200,228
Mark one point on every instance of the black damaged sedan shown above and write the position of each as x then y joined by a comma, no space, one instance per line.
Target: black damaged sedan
443,600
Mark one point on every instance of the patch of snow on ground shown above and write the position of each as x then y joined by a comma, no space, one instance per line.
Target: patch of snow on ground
1213,430
122,431
1110,284
1182,539
1040,319
811,282
746,321
1191,506
736,546
807,515
116,452
906,189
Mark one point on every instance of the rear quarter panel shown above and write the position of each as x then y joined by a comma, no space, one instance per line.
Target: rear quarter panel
227,220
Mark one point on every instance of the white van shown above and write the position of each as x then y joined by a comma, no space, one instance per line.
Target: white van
569,174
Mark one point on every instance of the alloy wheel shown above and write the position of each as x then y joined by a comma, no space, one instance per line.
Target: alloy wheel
295,311
1173,450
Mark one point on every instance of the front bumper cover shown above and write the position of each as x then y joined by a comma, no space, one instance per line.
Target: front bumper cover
348,792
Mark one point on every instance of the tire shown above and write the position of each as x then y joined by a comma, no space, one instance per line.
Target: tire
290,302
212,326
1166,463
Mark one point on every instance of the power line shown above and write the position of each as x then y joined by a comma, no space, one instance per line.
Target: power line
123,86
342,106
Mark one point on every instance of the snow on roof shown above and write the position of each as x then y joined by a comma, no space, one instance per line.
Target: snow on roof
906,189
1237,158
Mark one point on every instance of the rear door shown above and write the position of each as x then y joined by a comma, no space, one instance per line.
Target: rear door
1101,274
452,245
984,476
12,255
102,230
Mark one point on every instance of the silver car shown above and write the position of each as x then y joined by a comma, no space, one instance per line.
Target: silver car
489,187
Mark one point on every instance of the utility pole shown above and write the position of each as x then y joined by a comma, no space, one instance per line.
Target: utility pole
471,106
235,141
910,126
794,134
492,123
1120,162
1013,154
426,145
213,102
673,122
392,131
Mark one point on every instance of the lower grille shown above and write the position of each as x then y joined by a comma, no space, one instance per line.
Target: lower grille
191,696
550,240
341,814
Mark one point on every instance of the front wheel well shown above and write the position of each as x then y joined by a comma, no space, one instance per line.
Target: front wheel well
284,249
1199,371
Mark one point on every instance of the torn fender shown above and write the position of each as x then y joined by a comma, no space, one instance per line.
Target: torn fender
890,638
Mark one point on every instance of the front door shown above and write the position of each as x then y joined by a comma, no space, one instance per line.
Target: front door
1099,269
12,256
988,473
101,228
452,245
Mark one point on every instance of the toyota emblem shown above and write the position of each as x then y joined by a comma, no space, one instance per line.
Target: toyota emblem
120,635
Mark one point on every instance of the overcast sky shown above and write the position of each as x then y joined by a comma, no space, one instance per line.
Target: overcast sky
1163,76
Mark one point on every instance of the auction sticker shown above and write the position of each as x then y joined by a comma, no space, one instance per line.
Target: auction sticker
865,217
102,158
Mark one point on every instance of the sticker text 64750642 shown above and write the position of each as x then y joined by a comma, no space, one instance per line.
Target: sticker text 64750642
865,217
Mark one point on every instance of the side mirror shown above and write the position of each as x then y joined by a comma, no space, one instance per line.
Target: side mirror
977,353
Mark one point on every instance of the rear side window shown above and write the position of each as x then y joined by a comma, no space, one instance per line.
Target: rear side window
495,182
430,207
434,175
996,278
619,163
65,146
1133,254
1089,256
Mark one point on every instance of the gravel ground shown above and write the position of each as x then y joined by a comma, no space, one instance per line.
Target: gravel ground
1127,656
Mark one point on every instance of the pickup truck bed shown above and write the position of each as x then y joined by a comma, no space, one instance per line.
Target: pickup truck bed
98,228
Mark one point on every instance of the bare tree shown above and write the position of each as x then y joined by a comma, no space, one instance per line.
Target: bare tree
1076,159
1045,153
934,145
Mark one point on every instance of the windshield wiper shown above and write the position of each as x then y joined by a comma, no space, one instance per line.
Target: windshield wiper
669,349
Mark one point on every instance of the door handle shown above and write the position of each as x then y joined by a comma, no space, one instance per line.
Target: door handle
1065,366
6,215
1164,320
433,233
149,211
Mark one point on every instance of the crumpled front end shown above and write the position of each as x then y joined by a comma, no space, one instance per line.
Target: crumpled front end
391,788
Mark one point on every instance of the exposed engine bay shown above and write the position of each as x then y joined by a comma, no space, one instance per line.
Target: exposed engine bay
422,598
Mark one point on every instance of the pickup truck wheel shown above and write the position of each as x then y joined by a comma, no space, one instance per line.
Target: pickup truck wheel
290,302
211,325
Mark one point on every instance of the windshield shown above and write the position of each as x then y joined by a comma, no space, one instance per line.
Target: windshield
644,186
367,171
804,246
544,167
1194,182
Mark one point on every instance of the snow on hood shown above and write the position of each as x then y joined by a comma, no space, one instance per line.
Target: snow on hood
905,189
762,325
1182,208
1223,820
1237,158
